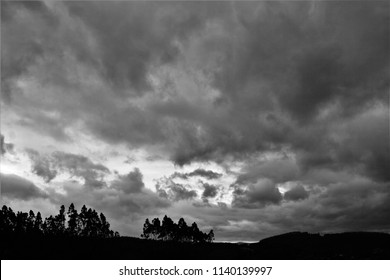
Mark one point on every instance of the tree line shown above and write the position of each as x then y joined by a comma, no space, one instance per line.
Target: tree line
87,223
167,230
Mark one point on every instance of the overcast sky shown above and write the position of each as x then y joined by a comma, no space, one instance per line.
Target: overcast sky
251,118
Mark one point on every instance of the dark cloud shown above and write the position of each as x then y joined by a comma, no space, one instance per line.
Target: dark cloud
210,191
48,166
278,170
25,50
81,166
293,91
257,195
208,174
2,147
15,187
355,205
272,75
130,183
41,166
134,35
5,147
296,193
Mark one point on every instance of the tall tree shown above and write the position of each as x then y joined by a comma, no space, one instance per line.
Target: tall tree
156,228
167,228
73,221
147,230
38,224
83,221
60,221
182,231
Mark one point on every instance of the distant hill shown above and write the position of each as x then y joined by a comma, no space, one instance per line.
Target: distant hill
295,245
348,245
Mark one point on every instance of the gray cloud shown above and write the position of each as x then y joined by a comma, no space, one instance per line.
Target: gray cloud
209,191
2,147
167,188
41,166
296,193
277,80
130,183
213,82
81,166
5,147
15,187
278,170
257,195
48,166
208,174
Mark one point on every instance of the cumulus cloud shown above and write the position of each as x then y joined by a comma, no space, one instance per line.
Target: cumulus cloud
167,188
130,183
15,187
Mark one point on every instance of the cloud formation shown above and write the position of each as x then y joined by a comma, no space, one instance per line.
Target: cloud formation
5,147
130,183
288,97
15,187
210,191
48,166
296,193
168,189
265,78
207,174
257,195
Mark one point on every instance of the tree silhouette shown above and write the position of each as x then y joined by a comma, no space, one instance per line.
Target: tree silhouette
73,221
156,228
180,232
147,231
38,224
88,223
167,228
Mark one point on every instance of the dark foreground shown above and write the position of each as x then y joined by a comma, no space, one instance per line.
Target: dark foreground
300,246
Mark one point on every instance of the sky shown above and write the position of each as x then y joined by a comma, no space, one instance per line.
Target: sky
251,118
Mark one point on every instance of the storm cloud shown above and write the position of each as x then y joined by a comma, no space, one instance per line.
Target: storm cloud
296,193
277,105
260,194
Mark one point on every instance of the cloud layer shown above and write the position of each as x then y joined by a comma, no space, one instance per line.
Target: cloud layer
288,99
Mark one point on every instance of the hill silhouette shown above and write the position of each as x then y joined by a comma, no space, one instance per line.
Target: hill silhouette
300,246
